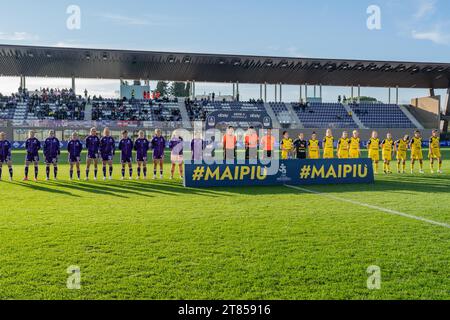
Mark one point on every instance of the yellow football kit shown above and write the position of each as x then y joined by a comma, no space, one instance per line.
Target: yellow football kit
313,149
402,148
435,148
355,145
344,148
374,149
416,149
286,148
328,148
387,147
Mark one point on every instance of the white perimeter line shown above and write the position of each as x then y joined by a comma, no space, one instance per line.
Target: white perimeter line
398,213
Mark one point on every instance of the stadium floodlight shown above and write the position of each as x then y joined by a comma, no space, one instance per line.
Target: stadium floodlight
187,59
105,56
236,62
88,56
359,66
400,68
330,66
284,64
222,62
440,69
427,69
386,67
268,63
48,55
343,66
171,59
31,54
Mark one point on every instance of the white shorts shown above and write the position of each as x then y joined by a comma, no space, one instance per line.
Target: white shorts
176,158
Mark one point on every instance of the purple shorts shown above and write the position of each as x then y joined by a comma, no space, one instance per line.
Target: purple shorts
74,159
126,160
32,157
92,156
51,160
5,159
107,157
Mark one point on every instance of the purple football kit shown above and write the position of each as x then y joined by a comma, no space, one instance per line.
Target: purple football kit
92,146
74,147
107,148
51,150
5,156
126,148
141,145
158,145
32,145
5,151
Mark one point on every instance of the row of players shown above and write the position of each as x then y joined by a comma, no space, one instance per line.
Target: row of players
103,149
350,148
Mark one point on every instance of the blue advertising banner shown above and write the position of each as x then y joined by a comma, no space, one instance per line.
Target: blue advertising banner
291,172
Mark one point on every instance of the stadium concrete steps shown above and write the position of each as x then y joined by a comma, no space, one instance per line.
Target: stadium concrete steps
411,118
184,115
354,116
21,112
296,123
88,112
275,122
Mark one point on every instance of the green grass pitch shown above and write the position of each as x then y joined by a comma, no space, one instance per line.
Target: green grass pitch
159,240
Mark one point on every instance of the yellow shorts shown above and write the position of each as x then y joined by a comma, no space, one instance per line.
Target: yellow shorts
284,155
435,154
416,155
343,154
401,155
314,155
374,155
387,156
354,154
328,154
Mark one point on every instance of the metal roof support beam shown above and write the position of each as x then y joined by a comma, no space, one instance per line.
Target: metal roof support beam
301,94
396,95
23,83
432,94
265,91
447,110
276,93
237,91
260,92
359,93
352,94
306,92
320,91
281,92
389,95
73,84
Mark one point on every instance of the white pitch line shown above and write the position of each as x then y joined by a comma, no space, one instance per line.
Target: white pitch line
393,212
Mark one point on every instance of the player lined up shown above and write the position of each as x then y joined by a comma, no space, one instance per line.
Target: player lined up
350,148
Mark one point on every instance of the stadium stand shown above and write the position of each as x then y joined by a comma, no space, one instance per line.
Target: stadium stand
281,112
135,110
381,116
323,115
198,110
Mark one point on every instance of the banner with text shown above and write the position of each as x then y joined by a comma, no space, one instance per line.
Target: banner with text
290,172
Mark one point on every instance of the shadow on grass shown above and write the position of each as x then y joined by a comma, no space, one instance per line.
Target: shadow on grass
36,186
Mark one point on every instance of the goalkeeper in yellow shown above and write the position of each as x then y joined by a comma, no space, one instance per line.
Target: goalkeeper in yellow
355,146
287,146
416,151
374,150
387,146
344,146
435,151
328,145
401,147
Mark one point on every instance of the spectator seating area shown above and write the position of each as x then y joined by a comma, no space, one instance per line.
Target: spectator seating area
7,108
135,110
281,112
71,110
381,116
324,115
197,110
